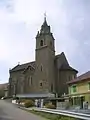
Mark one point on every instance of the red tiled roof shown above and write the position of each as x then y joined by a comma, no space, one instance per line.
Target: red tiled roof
80,78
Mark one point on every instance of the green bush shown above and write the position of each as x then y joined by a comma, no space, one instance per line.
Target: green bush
50,106
22,100
29,103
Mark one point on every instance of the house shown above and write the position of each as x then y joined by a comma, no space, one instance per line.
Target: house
79,89
4,90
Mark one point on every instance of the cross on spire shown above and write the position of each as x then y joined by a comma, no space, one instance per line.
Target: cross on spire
45,21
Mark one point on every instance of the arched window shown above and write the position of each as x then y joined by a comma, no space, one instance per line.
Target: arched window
30,80
41,84
41,68
50,43
30,68
41,43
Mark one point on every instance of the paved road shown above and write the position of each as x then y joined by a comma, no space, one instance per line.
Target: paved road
8,111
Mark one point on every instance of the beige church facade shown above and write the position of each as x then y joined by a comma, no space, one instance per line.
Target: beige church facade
48,74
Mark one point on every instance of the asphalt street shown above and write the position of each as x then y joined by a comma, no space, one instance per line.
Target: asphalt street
9,111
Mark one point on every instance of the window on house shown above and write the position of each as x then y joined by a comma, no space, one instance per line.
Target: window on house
74,88
41,43
89,86
76,101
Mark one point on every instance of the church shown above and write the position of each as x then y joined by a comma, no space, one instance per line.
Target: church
47,75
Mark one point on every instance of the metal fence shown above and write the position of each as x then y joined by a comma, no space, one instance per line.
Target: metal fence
65,113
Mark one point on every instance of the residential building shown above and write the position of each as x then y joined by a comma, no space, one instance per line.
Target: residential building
79,89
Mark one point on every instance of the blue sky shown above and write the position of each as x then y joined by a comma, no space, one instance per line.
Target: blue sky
21,19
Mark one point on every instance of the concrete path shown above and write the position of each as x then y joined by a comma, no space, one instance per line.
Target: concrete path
8,111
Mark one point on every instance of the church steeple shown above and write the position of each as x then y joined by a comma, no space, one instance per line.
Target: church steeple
44,56
45,36
45,29
45,21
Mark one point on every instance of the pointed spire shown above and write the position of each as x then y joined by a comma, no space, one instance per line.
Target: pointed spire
45,21
37,34
45,16
45,28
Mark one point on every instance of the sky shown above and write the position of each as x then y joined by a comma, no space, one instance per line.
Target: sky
21,19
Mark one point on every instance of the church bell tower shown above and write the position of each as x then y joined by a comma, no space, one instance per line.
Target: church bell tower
44,56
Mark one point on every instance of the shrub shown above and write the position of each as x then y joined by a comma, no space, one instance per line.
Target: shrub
29,103
22,100
50,106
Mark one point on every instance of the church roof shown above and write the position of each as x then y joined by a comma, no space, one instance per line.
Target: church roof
67,67
62,63
23,66
60,59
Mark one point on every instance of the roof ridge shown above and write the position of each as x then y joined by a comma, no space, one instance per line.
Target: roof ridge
59,54
27,63
83,76
23,66
14,67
